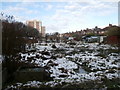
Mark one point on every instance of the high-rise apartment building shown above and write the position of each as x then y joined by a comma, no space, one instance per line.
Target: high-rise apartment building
35,24
43,31
38,25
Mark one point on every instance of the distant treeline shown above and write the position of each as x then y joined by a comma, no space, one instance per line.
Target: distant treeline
15,35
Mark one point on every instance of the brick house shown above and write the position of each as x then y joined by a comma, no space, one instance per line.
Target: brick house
115,39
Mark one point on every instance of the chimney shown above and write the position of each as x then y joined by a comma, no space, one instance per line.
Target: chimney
110,25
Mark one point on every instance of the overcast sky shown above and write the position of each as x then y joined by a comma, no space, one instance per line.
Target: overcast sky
65,16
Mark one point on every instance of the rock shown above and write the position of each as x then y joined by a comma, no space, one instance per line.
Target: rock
51,63
43,58
63,70
53,57
29,59
63,75
55,64
37,56
53,46
45,53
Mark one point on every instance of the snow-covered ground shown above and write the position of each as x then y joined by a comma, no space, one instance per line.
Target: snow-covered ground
62,62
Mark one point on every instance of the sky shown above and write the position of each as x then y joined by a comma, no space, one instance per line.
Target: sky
65,16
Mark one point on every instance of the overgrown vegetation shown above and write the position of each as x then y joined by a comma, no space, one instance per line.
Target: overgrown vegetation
15,37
